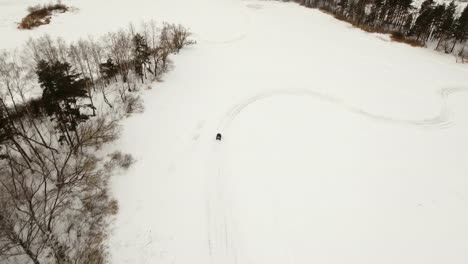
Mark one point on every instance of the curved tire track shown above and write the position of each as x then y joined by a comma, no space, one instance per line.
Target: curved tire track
239,37
439,121
221,225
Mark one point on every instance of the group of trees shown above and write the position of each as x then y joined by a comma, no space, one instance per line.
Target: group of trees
54,201
431,22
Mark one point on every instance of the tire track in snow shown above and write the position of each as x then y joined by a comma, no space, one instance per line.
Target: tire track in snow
234,39
221,226
441,120
222,42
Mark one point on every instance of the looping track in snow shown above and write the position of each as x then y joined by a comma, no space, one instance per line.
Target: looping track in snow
441,120
244,31
222,238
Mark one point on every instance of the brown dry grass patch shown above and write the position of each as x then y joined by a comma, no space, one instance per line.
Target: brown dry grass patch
41,15
398,37
394,36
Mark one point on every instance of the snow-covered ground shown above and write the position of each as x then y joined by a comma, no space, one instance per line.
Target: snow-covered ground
338,145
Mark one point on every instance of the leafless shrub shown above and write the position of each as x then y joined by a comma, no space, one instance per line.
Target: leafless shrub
101,130
54,200
134,104
121,160
113,208
180,37
460,53
53,197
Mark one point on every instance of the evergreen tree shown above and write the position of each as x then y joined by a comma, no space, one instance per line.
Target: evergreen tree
437,18
359,11
461,27
62,88
390,9
404,10
407,24
141,54
342,5
426,5
377,11
445,27
422,26
430,21
108,69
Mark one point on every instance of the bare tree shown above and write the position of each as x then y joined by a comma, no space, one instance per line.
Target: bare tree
180,37
53,197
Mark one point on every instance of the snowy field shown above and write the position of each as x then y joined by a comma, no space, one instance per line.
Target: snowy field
338,145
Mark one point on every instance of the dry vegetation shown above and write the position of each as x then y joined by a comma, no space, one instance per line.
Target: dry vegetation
41,15
424,23
394,35
55,205
399,37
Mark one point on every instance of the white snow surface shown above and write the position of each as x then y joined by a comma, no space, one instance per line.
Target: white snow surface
338,145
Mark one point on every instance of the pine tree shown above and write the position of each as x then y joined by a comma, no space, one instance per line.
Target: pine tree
390,8
358,11
461,27
62,88
445,27
407,24
423,23
437,18
426,5
342,6
404,10
141,55
377,9
108,70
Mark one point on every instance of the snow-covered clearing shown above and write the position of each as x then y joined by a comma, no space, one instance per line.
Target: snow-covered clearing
338,145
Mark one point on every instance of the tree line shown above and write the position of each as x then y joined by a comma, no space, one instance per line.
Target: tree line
59,102
432,22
